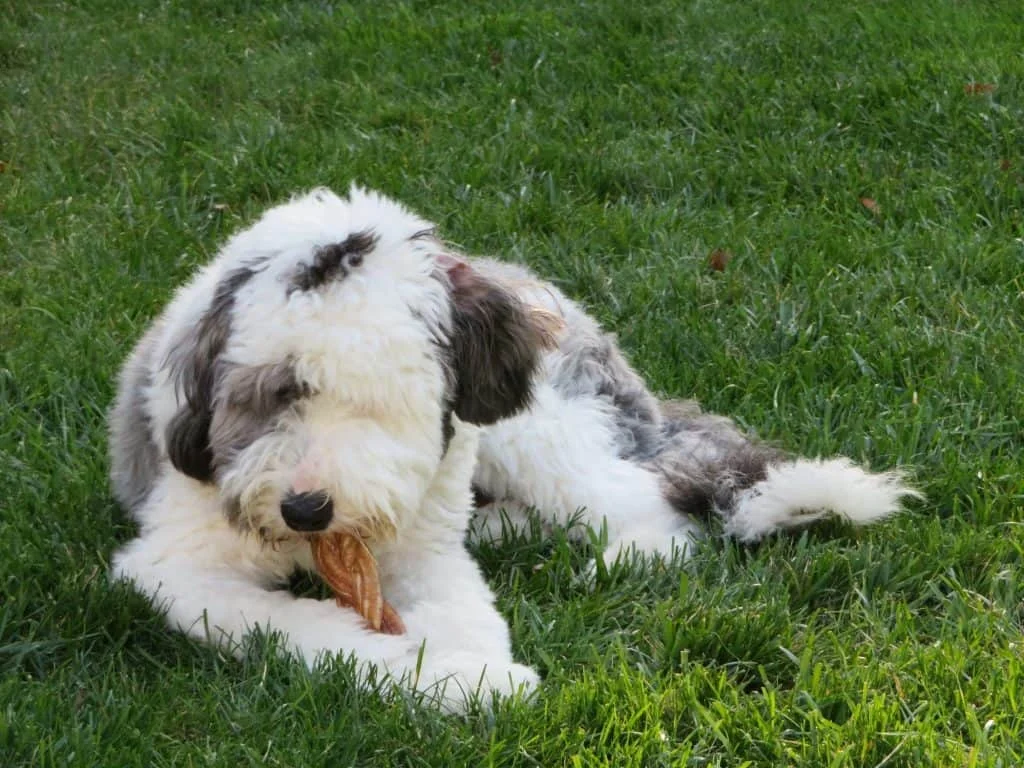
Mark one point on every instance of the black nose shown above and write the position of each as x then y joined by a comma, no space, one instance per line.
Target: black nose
307,511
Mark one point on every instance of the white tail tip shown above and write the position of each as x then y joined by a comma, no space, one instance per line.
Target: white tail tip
799,492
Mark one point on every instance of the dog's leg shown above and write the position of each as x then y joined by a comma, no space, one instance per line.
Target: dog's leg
440,593
219,586
560,458
212,593
455,646
442,597
497,521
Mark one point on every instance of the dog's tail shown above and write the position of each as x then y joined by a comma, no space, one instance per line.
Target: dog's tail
801,491
709,468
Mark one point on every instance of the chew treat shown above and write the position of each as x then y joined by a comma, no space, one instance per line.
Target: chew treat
350,570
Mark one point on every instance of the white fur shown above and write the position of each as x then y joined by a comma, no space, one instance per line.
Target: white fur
799,492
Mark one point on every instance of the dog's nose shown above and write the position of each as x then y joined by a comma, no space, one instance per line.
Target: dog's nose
307,511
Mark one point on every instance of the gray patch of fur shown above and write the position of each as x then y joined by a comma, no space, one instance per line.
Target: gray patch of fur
193,361
592,365
334,262
702,459
194,365
248,402
495,348
226,408
133,452
705,461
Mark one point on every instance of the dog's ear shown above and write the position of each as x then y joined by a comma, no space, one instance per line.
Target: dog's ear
496,345
194,365
188,444
188,432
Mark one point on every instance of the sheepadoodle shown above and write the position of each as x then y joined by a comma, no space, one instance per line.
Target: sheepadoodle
337,367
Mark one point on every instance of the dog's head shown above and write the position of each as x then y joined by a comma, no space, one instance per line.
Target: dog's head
322,361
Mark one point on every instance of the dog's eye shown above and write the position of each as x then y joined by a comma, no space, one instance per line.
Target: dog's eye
354,259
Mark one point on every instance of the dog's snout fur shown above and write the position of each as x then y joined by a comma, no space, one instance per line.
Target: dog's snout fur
310,511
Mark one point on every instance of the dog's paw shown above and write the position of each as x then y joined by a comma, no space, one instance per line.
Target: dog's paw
321,633
679,547
676,546
454,682
504,520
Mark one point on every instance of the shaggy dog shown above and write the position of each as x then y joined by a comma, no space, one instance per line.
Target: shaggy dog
337,367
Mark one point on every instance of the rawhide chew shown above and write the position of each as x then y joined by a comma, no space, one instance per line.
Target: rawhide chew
350,570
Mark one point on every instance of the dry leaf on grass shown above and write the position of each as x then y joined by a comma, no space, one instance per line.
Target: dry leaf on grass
871,205
719,259
349,568
973,89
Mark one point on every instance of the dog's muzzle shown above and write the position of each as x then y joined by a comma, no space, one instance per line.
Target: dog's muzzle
310,511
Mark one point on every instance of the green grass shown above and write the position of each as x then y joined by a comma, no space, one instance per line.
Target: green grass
613,145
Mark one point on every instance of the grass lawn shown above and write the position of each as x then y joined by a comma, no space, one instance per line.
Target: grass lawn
863,165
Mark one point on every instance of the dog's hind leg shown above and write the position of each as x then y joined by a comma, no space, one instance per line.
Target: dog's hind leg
561,458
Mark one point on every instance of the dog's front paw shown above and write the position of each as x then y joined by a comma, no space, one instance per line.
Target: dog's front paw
456,680
319,632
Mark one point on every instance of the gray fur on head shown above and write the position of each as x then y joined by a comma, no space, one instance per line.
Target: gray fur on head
333,261
226,406
247,401
195,368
